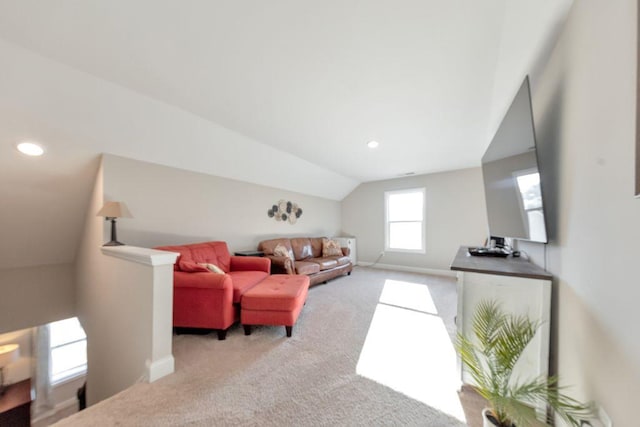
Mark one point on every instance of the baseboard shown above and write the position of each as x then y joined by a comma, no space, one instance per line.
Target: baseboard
434,271
58,408
160,368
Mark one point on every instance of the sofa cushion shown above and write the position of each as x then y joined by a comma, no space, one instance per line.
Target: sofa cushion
325,263
211,252
243,281
268,246
280,292
192,267
301,248
342,260
330,248
207,252
281,250
306,267
316,247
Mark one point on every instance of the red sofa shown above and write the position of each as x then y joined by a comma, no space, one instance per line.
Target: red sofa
204,299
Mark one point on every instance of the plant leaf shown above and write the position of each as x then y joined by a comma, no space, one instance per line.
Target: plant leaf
498,342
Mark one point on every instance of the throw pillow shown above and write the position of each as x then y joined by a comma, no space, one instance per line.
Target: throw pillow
330,248
212,267
192,267
280,250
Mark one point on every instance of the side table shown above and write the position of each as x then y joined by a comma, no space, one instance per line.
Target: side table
15,405
249,253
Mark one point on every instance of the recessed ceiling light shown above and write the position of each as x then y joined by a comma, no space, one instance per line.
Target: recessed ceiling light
30,149
372,144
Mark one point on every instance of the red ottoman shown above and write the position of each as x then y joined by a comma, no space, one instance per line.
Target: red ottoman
276,300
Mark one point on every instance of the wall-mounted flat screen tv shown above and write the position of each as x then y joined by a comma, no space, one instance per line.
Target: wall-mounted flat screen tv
513,193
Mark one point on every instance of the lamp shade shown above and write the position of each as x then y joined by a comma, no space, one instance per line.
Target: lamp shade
114,210
9,353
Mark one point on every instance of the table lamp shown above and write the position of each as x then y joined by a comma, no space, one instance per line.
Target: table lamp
9,353
110,211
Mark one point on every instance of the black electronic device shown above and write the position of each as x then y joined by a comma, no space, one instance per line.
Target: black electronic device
499,242
493,252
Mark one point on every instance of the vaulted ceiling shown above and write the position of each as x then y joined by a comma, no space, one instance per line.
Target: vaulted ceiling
300,85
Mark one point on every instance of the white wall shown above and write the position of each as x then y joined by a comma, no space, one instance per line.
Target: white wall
174,206
525,46
77,116
36,295
455,215
90,287
584,108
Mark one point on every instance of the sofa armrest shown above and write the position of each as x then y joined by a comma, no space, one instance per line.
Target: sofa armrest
281,264
203,300
250,263
207,280
346,251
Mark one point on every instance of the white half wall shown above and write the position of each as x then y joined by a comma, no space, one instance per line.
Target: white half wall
455,215
174,206
125,300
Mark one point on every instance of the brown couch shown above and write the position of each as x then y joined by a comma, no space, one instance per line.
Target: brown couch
305,257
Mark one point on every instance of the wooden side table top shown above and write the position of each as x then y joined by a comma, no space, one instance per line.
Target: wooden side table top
249,253
509,266
15,395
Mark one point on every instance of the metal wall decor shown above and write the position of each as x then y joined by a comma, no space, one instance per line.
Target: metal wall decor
285,211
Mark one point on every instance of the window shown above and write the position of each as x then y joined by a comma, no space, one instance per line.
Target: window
68,346
404,220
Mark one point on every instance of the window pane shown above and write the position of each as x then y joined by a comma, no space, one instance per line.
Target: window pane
65,331
68,344
405,206
405,235
67,358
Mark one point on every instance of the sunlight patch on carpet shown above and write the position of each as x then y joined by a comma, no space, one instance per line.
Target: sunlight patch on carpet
408,295
408,349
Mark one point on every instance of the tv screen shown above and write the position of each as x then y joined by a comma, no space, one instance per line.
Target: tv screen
511,175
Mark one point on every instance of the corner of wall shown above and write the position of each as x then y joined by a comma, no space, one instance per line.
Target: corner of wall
88,267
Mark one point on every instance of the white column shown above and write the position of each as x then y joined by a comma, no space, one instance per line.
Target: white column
151,272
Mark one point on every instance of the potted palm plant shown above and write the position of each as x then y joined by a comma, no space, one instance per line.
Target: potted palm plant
499,340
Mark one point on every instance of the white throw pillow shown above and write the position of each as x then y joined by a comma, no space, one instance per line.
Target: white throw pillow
212,267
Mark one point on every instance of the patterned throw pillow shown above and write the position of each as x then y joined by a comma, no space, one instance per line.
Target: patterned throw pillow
212,267
191,267
280,250
330,248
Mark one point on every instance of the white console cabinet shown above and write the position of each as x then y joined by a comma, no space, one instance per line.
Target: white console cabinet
521,288
348,242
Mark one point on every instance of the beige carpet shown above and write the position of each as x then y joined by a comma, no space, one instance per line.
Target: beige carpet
373,324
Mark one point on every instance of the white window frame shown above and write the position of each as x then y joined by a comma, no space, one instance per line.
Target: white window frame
73,373
387,195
